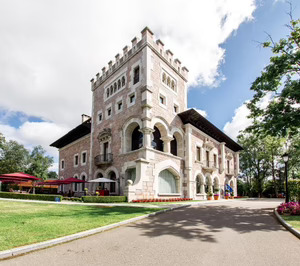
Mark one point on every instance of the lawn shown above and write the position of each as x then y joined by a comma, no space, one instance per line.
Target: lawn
27,223
293,221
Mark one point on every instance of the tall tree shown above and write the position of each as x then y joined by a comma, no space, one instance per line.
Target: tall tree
280,79
13,157
254,161
39,163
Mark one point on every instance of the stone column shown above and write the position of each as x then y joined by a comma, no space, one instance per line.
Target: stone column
167,146
147,136
223,161
202,191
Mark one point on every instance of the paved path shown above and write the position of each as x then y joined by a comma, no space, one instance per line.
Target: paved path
226,233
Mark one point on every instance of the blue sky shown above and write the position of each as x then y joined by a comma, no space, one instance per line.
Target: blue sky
244,61
49,52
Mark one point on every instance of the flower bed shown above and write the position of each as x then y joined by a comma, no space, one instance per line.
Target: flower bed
290,208
161,200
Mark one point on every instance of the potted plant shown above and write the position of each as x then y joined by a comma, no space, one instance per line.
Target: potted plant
227,194
232,195
216,194
209,195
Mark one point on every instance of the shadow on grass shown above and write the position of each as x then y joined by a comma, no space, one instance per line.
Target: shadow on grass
204,222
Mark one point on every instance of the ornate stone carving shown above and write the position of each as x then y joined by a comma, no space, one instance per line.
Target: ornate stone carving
104,135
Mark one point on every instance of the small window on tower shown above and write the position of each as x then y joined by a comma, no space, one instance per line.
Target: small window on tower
132,98
123,81
120,105
136,75
100,117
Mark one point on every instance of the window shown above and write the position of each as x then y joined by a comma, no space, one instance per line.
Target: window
111,90
168,183
115,87
119,84
164,78
175,108
123,81
109,112
62,166
168,81
132,98
198,154
161,100
136,75
120,105
207,158
76,160
99,117
215,160
107,93
83,157
76,184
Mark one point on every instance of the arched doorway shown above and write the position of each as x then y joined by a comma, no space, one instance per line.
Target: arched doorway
112,185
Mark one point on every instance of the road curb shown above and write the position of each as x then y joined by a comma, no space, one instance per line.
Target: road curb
287,225
33,247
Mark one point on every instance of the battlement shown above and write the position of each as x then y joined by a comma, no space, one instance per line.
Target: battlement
147,39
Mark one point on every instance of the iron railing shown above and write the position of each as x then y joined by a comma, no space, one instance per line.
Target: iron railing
101,159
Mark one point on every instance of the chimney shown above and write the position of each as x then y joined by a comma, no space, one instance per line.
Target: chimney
84,118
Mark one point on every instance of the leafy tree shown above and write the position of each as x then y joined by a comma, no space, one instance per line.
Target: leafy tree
39,163
280,78
254,162
13,157
52,175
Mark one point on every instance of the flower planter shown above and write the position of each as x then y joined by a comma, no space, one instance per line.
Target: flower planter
216,197
209,198
226,197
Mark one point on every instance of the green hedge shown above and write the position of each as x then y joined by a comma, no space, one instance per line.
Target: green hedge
103,199
294,188
29,196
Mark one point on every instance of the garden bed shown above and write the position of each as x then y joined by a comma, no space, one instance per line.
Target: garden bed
161,200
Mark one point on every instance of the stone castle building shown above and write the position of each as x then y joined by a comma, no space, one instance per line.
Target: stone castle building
142,135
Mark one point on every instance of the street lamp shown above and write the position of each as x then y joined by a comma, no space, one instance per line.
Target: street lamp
285,158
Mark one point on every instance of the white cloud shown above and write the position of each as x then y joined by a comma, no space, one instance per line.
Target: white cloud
240,120
50,50
31,134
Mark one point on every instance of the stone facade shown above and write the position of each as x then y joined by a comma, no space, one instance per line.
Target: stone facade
137,137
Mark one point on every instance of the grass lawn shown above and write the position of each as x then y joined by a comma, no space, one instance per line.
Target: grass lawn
27,223
293,221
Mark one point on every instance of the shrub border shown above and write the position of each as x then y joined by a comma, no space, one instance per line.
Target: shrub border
42,197
287,225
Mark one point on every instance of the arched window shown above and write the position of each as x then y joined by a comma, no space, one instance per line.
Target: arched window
111,90
206,185
174,146
198,185
107,92
157,143
115,87
169,81
119,84
136,139
173,85
112,176
123,81
164,78
168,182
101,185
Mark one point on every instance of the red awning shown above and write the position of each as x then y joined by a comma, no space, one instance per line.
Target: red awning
19,176
74,180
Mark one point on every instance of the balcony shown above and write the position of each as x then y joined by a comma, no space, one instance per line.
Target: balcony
103,159
210,166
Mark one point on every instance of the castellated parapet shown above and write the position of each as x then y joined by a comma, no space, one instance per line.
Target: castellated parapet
147,39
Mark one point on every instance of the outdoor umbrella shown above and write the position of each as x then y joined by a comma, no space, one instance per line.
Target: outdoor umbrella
19,176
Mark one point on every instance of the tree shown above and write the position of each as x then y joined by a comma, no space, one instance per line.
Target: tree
254,162
280,79
39,163
52,175
13,157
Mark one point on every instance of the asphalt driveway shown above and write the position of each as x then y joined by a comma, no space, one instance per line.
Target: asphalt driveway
227,233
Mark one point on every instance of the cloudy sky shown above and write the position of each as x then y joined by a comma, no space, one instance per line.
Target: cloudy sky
49,50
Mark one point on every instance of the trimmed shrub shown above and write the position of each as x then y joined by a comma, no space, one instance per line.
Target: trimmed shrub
12,195
103,199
